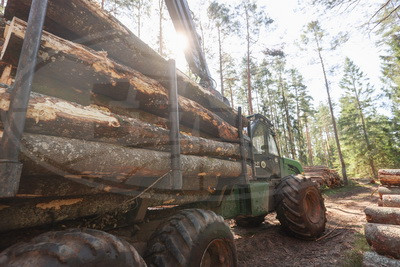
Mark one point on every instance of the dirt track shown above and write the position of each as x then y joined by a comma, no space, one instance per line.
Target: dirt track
267,245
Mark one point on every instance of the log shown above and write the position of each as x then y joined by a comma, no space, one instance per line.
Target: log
22,213
384,239
323,176
85,22
383,215
391,201
74,72
373,259
389,177
56,117
49,155
382,190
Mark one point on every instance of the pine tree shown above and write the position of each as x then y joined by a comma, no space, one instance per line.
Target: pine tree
303,106
223,20
358,93
315,34
254,19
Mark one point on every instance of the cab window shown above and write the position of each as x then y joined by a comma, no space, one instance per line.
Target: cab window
273,149
259,140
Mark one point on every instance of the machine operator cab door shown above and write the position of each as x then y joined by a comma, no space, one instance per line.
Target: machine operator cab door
266,155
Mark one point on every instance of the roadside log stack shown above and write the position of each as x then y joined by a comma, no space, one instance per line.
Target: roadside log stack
323,176
100,104
383,228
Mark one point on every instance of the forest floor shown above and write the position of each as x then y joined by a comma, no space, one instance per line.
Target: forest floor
341,245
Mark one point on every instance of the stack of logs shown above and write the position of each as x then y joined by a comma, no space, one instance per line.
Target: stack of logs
323,176
383,228
99,107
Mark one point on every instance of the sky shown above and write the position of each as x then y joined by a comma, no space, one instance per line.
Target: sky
290,18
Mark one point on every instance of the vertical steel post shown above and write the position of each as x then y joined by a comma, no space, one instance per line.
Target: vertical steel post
251,151
14,120
245,175
176,174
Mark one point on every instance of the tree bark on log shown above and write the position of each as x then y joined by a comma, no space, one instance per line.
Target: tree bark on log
383,215
384,239
382,190
75,73
373,259
52,116
85,22
71,158
389,177
391,201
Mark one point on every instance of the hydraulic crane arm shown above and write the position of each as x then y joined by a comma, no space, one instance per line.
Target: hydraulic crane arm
183,22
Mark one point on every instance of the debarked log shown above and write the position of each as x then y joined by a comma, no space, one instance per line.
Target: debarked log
383,215
49,155
389,177
73,72
384,239
52,116
84,22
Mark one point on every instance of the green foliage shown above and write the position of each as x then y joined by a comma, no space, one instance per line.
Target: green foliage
360,121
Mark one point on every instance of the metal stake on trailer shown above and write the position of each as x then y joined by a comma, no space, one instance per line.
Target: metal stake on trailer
176,174
245,175
14,120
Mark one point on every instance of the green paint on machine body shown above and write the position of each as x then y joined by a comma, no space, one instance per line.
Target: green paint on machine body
257,197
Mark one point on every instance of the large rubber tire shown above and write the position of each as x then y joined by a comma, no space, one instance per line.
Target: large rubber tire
73,247
192,237
249,221
300,207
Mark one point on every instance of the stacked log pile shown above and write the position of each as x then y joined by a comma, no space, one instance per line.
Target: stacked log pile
383,228
100,104
323,176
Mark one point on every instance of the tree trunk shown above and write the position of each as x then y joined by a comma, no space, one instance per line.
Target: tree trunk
388,191
288,124
160,35
391,201
49,155
383,215
384,239
249,88
221,74
389,177
84,22
309,146
52,116
344,173
77,74
373,259
364,127
102,3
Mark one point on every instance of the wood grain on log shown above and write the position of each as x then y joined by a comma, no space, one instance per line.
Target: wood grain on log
383,215
20,213
389,177
391,201
85,22
373,259
74,72
45,155
52,116
382,190
384,239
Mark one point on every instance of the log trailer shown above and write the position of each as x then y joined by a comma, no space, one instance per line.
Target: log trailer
100,133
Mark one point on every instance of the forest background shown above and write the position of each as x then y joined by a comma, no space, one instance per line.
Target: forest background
325,72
